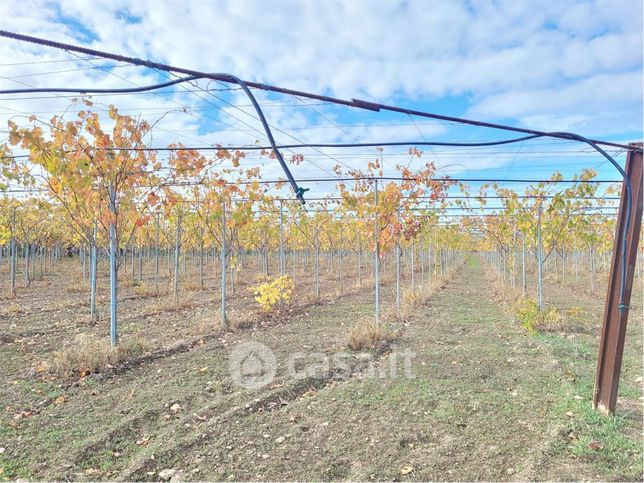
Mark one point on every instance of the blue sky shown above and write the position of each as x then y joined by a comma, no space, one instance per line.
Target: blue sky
571,65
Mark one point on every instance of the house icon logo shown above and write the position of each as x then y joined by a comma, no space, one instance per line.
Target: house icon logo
252,365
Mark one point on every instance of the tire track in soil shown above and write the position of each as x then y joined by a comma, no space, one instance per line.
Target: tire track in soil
496,375
292,336
144,467
242,404
477,409
131,312
30,347
111,396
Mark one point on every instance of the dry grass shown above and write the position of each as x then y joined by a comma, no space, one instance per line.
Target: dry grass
574,312
526,311
207,325
13,308
311,299
191,285
211,323
422,294
88,354
366,334
144,290
533,320
414,298
169,305
80,288
389,315
237,322
127,281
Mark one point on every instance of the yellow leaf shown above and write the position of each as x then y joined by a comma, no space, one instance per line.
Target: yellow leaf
405,470
60,399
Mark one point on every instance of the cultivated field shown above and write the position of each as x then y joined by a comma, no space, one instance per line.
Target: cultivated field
487,400
394,240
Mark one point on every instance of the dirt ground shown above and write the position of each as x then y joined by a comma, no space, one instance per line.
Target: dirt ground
482,399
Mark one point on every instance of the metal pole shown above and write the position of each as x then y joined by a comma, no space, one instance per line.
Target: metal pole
27,256
398,277
113,270
430,268
13,252
523,277
398,271
177,254
359,257
422,262
282,260
611,344
376,257
139,274
156,255
413,265
83,259
317,265
224,319
592,266
539,262
340,255
132,261
201,243
92,276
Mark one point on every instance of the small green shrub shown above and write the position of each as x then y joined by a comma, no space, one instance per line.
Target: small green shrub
533,320
366,334
274,295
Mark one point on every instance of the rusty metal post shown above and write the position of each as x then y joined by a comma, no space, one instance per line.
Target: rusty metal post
611,345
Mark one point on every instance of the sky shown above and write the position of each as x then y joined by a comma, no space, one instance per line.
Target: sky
548,65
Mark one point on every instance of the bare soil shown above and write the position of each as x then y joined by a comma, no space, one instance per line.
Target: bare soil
487,401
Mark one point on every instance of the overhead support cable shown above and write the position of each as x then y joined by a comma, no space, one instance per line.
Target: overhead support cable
299,192
329,145
91,90
367,178
355,103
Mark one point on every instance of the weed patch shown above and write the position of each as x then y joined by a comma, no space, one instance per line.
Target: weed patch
600,439
367,334
534,320
13,308
144,290
88,354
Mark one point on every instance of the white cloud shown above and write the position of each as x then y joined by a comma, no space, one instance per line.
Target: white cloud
555,65
590,101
